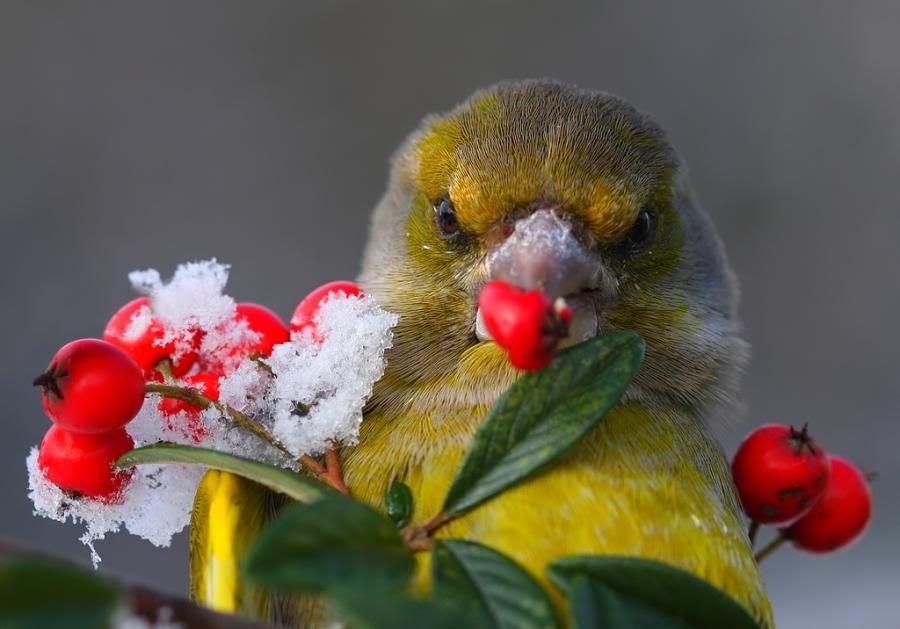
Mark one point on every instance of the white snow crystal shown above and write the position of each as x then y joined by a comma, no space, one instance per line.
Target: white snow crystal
194,300
332,379
316,390
156,504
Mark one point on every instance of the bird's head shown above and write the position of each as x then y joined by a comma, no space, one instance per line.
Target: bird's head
574,192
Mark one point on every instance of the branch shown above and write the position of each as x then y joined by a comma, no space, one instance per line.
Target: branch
142,600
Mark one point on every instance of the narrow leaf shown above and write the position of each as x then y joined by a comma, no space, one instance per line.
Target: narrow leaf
594,605
617,592
335,542
544,414
398,503
496,588
42,594
275,478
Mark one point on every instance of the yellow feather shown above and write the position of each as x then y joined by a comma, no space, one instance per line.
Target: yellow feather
229,511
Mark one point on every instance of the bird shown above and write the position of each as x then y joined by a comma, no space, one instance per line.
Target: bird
577,193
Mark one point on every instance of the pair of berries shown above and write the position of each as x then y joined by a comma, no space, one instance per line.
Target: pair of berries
527,324
784,478
90,391
93,387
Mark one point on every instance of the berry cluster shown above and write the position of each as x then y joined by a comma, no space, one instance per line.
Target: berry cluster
819,501
527,324
93,388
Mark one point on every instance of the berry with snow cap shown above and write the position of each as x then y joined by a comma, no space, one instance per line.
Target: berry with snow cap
135,329
304,317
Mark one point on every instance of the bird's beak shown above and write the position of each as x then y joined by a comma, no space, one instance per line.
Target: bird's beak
543,253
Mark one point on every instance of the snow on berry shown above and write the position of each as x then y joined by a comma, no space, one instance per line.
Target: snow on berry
305,313
136,330
193,301
309,393
314,390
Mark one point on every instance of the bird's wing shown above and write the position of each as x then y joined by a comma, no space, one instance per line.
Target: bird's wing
229,512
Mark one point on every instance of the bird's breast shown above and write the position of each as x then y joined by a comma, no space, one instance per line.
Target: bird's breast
646,483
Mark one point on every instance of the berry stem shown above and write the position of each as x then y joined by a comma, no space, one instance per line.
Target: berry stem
329,474
754,529
192,396
333,470
771,547
164,368
418,537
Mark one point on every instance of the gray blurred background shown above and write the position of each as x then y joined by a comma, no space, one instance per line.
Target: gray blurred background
146,134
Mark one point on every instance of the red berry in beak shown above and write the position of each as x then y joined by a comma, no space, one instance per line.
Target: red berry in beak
527,324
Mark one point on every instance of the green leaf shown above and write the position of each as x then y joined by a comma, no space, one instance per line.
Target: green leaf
499,592
391,609
275,478
398,501
335,542
544,414
42,594
617,592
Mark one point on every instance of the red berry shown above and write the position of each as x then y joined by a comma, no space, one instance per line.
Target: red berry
134,329
91,386
780,473
84,463
527,324
268,326
208,385
840,515
305,313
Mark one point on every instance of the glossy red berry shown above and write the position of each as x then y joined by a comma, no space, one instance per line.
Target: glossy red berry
270,329
780,472
208,385
305,314
527,324
840,515
136,330
84,463
91,386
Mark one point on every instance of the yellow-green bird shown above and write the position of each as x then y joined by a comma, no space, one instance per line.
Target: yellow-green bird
613,226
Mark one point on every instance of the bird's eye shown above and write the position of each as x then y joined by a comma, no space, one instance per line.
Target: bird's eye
641,233
445,218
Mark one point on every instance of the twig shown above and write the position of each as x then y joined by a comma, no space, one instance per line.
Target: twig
193,396
418,537
771,547
754,529
329,474
143,601
333,470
